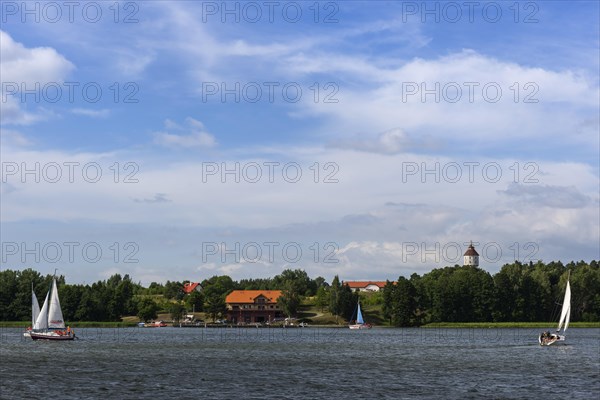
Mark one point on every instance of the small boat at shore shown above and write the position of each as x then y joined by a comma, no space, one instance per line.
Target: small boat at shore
359,323
156,324
48,323
547,338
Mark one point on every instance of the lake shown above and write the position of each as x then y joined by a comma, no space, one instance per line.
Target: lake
308,363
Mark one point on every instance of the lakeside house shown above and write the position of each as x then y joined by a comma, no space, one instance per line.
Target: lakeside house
189,287
365,286
253,306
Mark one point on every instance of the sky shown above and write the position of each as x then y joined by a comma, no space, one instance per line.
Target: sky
177,140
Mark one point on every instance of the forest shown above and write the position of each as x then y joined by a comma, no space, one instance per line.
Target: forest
517,293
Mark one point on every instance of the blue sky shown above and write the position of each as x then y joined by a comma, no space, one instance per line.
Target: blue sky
376,93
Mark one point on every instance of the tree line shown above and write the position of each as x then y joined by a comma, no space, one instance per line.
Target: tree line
518,292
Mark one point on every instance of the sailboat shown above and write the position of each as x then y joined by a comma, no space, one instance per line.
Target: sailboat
48,323
547,338
359,323
35,311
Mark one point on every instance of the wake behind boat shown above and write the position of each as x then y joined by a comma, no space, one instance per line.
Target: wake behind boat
547,338
48,323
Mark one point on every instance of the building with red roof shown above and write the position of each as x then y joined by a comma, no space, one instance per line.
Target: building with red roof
253,306
471,257
365,286
189,287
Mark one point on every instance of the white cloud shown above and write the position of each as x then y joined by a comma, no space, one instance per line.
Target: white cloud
547,195
31,65
9,137
103,113
372,213
190,136
384,96
157,198
27,68
393,141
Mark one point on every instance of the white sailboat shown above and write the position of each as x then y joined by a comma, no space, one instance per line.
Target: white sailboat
49,323
547,338
35,311
359,322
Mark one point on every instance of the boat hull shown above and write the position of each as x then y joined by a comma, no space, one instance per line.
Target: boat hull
553,339
359,326
50,336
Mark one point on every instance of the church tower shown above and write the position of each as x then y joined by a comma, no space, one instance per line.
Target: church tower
471,256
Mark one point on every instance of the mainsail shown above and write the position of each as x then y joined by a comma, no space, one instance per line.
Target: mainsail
359,317
565,314
55,316
35,307
41,321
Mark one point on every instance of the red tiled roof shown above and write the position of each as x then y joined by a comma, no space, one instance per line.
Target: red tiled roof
248,296
471,251
189,287
364,284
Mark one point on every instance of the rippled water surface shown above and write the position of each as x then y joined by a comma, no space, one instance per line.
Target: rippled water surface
309,363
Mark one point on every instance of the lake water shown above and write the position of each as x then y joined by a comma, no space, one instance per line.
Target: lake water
309,363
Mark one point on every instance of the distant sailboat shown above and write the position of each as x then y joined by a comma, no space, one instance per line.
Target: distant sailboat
48,323
547,338
359,322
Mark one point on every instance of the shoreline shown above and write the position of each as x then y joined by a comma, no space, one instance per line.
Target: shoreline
455,325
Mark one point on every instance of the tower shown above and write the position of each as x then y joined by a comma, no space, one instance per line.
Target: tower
471,257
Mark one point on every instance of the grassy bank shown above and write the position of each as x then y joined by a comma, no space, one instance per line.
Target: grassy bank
327,320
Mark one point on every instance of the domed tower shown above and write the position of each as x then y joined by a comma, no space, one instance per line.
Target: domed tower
471,257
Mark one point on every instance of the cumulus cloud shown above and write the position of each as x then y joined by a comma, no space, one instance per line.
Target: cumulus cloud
190,135
464,98
24,68
547,195
393,141
31,65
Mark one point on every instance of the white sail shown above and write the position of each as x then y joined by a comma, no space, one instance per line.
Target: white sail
565,314
359,316
41,321
35,307
55,316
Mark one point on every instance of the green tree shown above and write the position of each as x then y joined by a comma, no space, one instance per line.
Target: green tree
322,299
195,301
289,299
334,297
147,309
70,298
403,303
348,301
177,311
298,278
215,306
218,285
174,290
8,291
388,301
